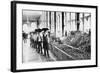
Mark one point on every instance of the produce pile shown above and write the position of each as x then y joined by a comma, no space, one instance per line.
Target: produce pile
79,40
76,39
75,53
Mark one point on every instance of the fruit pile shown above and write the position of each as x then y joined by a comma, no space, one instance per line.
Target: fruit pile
79,40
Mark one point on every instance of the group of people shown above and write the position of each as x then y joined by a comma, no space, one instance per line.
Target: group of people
40,41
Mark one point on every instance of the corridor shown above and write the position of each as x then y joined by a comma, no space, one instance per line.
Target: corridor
30,54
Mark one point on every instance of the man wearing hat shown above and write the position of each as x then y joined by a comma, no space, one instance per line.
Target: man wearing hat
39,41
45,44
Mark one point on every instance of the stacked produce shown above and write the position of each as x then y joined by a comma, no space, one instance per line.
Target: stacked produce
79,40
76,39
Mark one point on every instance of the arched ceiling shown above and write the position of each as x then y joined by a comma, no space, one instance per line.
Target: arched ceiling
31,16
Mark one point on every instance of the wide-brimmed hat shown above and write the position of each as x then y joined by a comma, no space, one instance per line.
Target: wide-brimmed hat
45,29
38,30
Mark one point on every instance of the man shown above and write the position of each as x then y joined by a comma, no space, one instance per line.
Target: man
39,41
24,37
45,44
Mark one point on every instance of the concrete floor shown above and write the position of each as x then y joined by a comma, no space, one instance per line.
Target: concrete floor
30,54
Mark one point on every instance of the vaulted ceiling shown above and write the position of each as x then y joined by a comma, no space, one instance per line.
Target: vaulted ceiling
31,16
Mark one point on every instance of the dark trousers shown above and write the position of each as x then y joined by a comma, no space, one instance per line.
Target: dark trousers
36,45
46,50
32,43
40,47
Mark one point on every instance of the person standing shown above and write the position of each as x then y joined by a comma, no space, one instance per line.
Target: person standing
25,37
39,39
45,44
